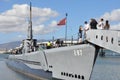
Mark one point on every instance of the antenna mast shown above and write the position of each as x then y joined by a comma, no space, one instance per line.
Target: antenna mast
30,36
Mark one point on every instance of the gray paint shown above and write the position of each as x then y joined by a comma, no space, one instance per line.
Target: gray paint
109,39
69,63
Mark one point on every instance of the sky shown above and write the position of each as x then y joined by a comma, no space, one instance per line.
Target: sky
14,17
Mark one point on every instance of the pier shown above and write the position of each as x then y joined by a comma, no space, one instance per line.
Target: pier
109,39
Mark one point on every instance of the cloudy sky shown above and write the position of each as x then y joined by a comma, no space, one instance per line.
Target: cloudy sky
14,17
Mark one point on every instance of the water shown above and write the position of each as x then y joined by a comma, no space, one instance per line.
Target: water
8,74
106,68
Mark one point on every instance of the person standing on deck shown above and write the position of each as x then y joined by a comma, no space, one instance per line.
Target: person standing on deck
107,25
86,28
93,24
80,33
101,24
58,43
49,45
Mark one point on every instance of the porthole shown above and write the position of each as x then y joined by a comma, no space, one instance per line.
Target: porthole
96,36
70,75
61,73
78,76
101,37
112,40
82,77
75,75
106,38
66,74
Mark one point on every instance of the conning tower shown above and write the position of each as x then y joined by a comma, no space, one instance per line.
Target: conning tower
29,44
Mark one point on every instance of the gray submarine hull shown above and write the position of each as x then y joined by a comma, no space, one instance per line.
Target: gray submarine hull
65,63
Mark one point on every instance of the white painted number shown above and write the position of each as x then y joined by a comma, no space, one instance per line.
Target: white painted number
77,52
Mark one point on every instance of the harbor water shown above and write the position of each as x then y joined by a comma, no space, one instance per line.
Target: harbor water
106,68
8,74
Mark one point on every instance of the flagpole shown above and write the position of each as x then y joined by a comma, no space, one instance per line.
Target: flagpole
66,29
